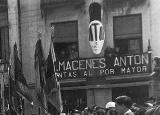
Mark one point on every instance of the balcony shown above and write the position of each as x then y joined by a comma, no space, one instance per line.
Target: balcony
58,3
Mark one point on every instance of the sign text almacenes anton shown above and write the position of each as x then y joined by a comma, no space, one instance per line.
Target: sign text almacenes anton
103,66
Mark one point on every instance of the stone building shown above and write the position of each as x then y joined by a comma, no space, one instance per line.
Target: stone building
124,65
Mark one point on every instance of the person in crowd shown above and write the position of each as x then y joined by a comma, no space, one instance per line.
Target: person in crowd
123,105
110,108
110,105
151,101
63,54
139,109
85,111
155,109
94,110
75,112
73,51
100,111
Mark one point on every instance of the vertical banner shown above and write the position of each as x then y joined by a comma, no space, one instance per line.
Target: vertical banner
52,85
40,74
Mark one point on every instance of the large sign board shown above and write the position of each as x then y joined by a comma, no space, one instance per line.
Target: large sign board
102,66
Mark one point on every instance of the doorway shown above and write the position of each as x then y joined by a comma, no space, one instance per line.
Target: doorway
74,99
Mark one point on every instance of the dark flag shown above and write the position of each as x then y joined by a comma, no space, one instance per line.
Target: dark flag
40,74
13,96
50,79
54,97
53,86
21,85
12,91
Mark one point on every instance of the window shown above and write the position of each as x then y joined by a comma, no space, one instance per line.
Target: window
128,34
66,40
4,43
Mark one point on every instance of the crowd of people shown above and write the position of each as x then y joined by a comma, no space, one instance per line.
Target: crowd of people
122,105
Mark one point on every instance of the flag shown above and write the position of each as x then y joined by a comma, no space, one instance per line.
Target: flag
52,85
54,97
51,59
51,81
39,65
13,96
18,68
21,86
12,91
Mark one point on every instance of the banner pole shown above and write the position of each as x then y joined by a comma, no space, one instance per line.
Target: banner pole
2,92
9,86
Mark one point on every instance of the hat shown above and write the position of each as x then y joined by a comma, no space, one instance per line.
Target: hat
110,105
149,104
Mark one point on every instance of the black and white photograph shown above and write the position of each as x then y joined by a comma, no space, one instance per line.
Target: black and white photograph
79,57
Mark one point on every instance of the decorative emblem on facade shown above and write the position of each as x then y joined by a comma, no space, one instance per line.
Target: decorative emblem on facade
96,36
96,32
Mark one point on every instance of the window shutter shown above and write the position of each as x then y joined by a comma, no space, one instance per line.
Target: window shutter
127,26
66,32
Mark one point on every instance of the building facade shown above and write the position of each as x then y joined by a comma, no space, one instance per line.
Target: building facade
124,65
